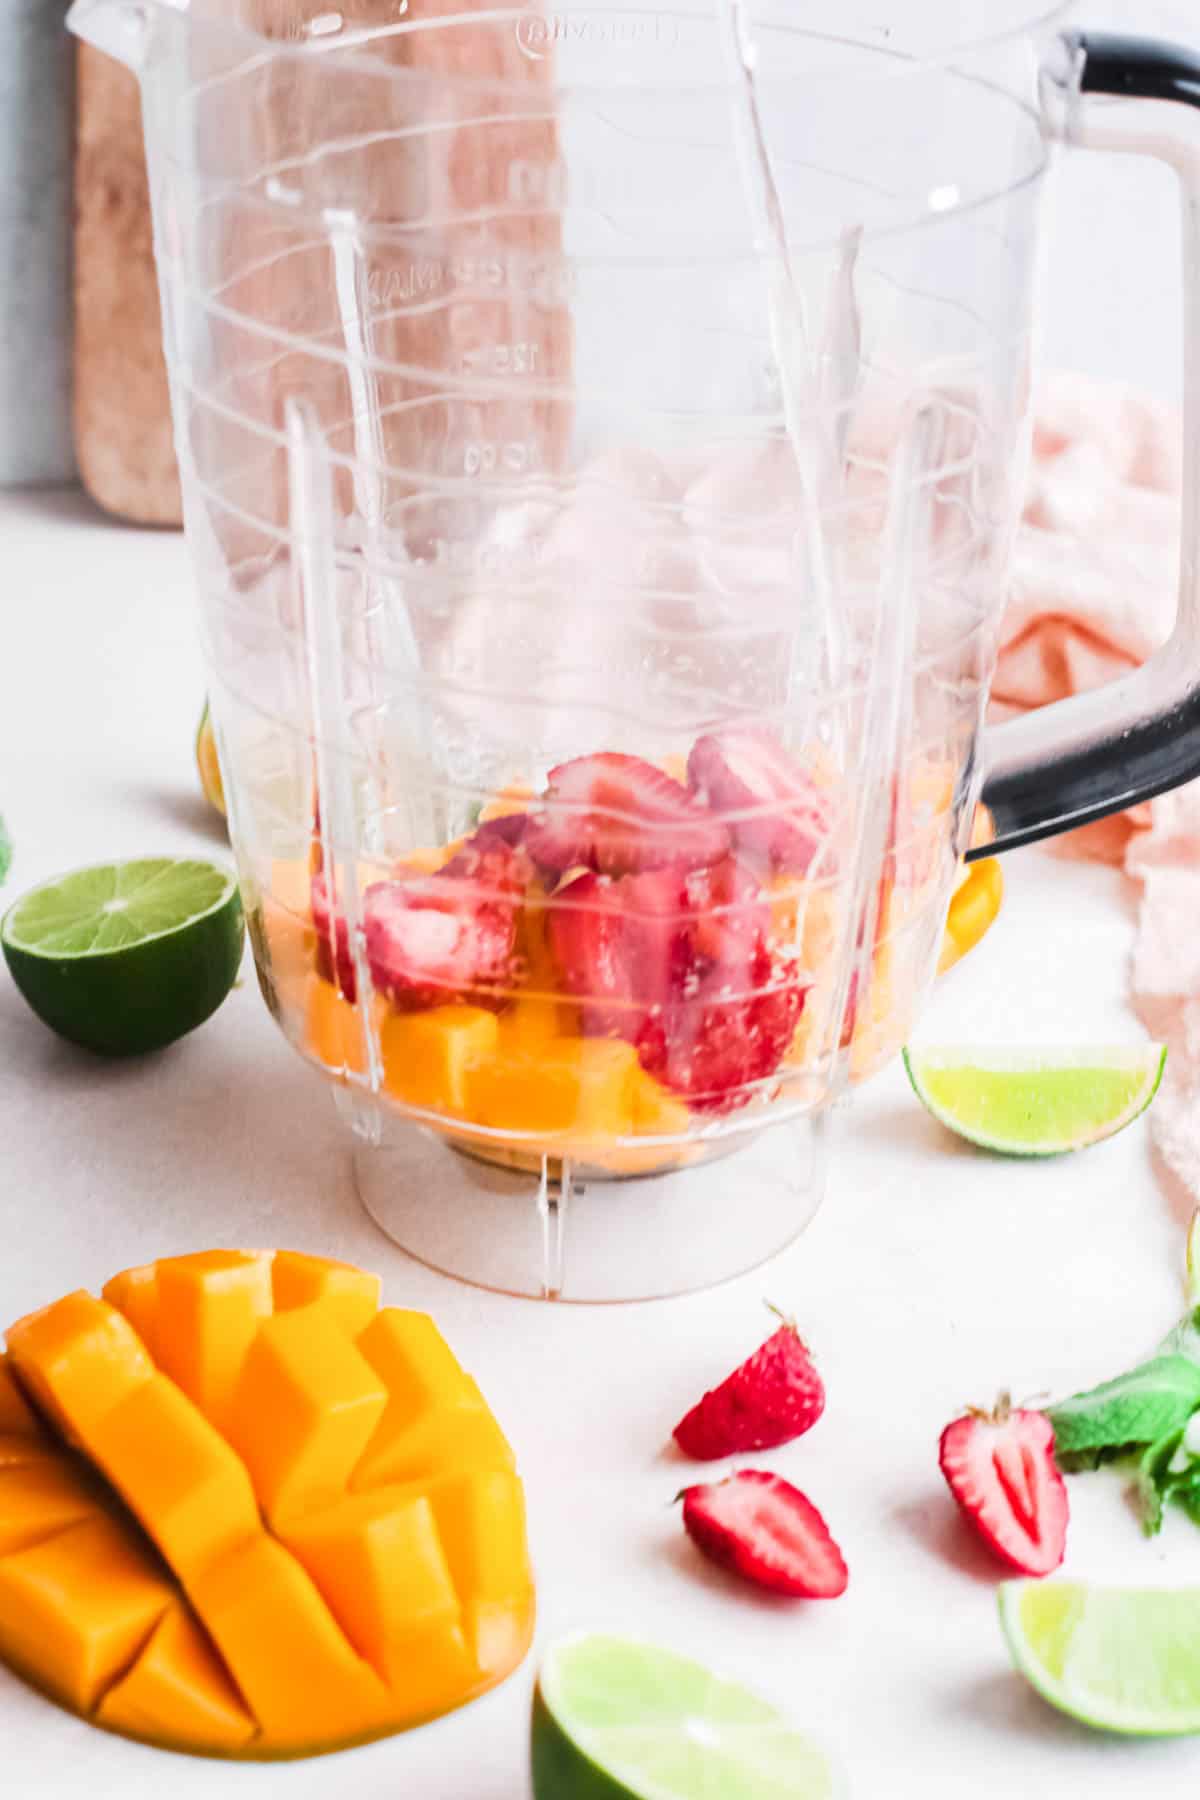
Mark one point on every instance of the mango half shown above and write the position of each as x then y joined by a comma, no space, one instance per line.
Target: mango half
247,1512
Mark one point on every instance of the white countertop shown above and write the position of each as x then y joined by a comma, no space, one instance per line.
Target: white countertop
932,1277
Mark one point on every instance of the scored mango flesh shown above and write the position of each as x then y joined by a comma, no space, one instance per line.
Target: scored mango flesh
247,1512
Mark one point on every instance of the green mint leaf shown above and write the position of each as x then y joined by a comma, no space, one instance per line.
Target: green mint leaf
1136,1409
1184,1339
1188,1498
1165,1467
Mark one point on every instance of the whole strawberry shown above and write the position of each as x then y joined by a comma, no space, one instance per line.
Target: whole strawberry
1000,1468
762,1528
774,1396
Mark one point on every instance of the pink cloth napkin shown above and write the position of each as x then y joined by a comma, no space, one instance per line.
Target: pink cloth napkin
1093,595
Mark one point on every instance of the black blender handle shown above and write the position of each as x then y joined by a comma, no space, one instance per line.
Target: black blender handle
1097,753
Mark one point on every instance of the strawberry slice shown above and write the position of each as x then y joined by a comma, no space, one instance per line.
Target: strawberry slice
761,1527
451,935
1000,1468
620,947
679,964
716,1042
617,815
744,769
334,961
774,1396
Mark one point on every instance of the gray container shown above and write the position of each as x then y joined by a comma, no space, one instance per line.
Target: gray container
36,90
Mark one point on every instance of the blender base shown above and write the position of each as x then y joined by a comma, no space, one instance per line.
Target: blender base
558,1232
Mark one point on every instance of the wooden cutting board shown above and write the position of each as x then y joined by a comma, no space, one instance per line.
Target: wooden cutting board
122,414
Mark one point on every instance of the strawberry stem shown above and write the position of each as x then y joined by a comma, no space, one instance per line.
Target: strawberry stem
784,1318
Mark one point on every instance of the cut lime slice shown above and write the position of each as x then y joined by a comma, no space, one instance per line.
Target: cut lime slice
125,957
615,1719
1119,1659
1029,1102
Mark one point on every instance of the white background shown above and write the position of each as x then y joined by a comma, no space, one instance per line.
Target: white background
931,1278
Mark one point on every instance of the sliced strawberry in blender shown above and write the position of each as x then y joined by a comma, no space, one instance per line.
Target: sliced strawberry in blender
714,1043
435,938
618,815
744,769
680,964
618,945
337,968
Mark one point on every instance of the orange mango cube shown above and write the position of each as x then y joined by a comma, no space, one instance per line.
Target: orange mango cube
210,1307
75,1610
38,1500
429,1057
306,1407
481,1521
77,1358
299,1676
351,1295
192,1495
179,1692
134,1292
580,1086
436,1417
378,1561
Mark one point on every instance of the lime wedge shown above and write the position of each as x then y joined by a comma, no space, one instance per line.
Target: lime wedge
1120,1659
126,957
615,1719
1027,1102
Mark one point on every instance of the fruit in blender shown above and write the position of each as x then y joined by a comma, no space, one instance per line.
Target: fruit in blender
783,816
334,1530
619,814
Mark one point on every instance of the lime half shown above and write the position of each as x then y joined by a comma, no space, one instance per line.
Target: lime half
615,1719
1029,1102
125,957
1120,1659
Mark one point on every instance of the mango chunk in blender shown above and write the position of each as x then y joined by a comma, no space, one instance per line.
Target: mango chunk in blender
17,1417
134,1292
583,1086
307,1404
179,1692
352,1295
40,1499
436,1417
428,1057
210,1306
299,1676
75,1610
378,1561
77,1358
333,1028
18,1452
176,1472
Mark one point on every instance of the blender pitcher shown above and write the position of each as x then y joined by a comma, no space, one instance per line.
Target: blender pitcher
602,432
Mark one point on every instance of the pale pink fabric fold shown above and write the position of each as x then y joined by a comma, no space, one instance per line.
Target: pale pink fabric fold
1094,593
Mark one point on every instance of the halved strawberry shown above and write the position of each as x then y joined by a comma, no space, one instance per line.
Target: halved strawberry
1000,1468
618,814
774,1396
435,938
718,1039
784,816
764,1529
